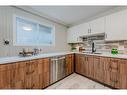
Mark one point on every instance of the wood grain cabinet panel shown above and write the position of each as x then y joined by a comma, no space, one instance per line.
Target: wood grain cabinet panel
85,65
37,73
46,72
123,74
5,80
77,63
32,74
6,71
81,62
18,78
111,72
98,69
90,67
69,64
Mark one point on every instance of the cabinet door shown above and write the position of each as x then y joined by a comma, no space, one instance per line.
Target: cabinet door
5,79
123,74
31,76
5,75
34,73
116,26
46,72
84,29
111,72
18,78
98,69
69,64
70,36
106,73
84,66
73,35
90,67
78,64
97,26
28,75
111,78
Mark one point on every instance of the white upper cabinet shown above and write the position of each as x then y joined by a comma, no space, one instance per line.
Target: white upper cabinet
97,26
82,29
93,27
73,35
116,26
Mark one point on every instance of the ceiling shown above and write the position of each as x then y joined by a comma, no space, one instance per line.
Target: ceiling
70,15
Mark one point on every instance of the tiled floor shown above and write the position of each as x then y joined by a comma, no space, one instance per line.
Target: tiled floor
76,81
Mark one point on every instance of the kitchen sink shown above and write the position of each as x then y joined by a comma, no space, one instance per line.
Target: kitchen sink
92,53
96,53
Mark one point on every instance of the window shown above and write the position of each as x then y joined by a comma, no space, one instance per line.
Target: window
28,32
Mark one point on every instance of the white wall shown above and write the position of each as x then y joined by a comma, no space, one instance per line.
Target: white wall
6,32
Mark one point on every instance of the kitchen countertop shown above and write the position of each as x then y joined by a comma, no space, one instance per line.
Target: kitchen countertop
5,60
106,54
12,59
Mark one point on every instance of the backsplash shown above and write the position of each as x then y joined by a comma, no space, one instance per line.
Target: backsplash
103,46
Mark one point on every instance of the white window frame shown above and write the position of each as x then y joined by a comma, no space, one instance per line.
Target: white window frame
35,21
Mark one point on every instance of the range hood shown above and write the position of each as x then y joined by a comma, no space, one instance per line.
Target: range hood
98,36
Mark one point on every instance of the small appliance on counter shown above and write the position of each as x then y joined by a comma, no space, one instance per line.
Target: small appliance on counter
114,51
81,49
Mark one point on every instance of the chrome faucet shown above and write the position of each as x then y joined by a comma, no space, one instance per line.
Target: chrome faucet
36,51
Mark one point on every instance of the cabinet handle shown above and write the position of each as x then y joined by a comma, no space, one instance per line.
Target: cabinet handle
30,72
86,59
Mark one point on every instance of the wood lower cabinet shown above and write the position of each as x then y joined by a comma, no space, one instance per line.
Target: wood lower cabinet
114,72
98,69
83,66
46,70
90,66
123,74
18,78
6,76
80,64
110,71
5,80
38,73
25,75
35,74
77,64
69,64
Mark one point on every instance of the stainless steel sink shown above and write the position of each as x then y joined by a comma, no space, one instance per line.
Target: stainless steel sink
92,53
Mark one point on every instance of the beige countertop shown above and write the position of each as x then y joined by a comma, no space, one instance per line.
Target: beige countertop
106,54
5,60
12,59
